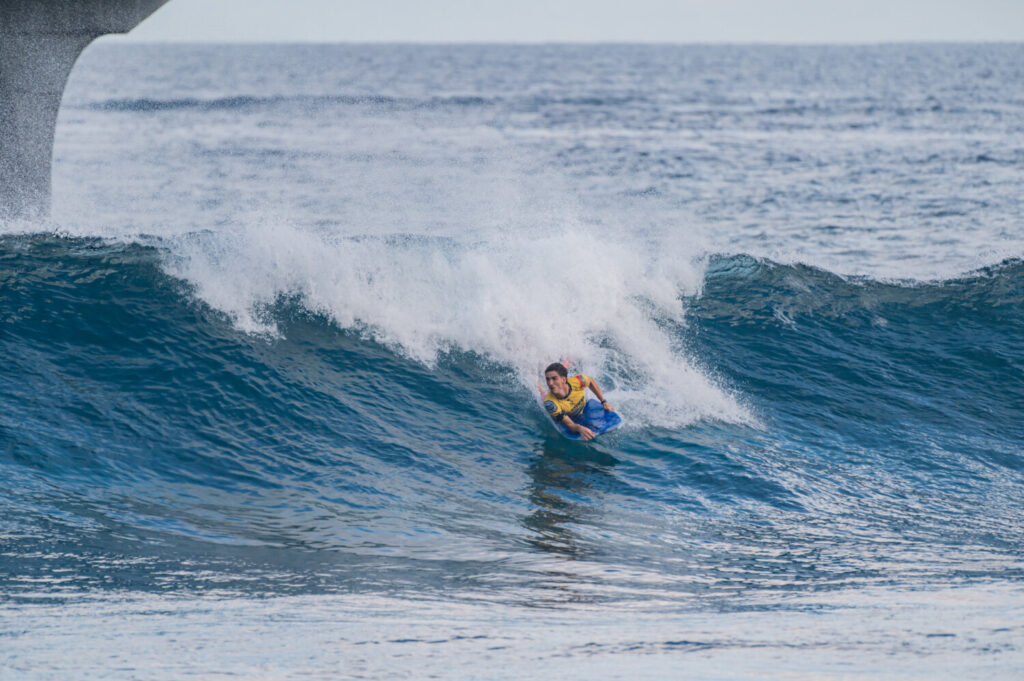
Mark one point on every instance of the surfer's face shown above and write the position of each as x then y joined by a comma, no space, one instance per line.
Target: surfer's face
557,383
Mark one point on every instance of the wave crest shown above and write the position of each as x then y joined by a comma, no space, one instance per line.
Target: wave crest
521,300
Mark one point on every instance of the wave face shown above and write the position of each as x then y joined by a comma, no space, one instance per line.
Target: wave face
906,364
876,431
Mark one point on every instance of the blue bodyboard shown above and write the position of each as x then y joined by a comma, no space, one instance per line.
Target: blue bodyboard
594,417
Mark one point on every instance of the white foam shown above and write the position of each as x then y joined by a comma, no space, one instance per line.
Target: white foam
521,297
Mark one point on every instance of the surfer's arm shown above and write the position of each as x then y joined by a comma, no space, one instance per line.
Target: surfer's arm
583,431
596,389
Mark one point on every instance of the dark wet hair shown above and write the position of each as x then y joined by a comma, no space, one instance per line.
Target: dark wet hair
562,371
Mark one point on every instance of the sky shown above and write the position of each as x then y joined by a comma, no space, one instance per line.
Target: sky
531,21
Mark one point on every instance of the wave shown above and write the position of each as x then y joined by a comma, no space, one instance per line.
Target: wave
893,365
743,283
238,102
517,299
714,331
213,391
331,101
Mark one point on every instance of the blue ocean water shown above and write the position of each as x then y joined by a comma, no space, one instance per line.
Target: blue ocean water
268,385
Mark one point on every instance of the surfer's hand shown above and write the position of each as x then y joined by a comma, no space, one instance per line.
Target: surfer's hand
607,407
585,433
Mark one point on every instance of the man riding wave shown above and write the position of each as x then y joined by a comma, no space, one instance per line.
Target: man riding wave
567,397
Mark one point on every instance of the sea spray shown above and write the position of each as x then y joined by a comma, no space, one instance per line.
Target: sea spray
519,299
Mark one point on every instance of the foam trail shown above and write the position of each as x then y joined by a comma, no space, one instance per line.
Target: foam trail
520,299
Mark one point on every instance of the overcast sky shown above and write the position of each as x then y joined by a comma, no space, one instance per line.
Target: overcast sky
676,21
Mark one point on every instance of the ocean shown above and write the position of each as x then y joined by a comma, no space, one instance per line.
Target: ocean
269,371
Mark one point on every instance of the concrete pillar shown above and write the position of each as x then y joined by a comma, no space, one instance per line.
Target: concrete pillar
39,43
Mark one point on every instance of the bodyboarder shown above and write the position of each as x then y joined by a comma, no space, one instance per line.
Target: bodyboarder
567,397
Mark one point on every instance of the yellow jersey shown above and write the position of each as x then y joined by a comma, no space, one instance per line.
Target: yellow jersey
572,404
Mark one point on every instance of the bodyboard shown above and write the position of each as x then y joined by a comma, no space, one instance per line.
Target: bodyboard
594,417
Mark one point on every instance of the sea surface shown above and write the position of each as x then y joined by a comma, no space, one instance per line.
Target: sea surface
268,385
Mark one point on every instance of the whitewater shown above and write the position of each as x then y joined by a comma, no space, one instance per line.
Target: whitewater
269,369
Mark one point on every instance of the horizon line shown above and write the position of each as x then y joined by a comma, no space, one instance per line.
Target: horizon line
127,38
